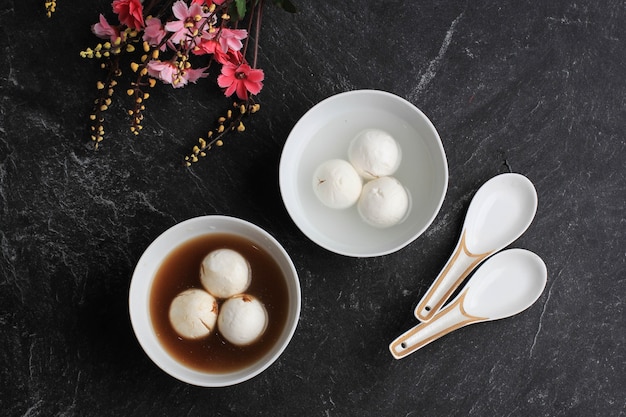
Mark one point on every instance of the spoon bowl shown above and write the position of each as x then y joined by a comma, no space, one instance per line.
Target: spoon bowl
501,210
506,284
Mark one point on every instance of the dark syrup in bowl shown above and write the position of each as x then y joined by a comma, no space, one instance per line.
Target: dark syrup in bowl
180,270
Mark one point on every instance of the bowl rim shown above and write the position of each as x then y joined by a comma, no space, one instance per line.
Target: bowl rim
284,176
141,283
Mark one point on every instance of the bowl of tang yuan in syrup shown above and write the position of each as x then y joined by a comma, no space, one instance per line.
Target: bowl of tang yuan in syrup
214,301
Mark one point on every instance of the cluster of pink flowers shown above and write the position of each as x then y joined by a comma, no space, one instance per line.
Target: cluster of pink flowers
196,27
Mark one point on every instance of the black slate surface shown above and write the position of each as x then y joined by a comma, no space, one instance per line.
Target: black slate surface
529,87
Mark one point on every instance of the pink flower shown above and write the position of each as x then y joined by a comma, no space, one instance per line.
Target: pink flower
130,13
231,39
154,32
104,30
240,79
169,73
224,45
210,46
190,19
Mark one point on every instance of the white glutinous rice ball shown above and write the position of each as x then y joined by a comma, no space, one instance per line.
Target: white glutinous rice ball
374,153
193,313
224,273
242,319
384,202
337,184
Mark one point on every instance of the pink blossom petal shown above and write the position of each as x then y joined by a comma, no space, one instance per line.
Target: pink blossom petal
255,75
195,74
175,26
253,87
129,13
224,81
229,70
195,10
230,90
242,92
180,10
104,30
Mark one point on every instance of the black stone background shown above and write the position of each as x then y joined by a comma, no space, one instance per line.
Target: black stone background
537,87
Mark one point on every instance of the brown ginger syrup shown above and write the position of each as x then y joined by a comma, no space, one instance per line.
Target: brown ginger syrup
180,270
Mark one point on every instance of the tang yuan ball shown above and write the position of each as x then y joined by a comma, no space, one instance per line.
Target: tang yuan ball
193,313
337,184
374,153
384,202
242,319
224,273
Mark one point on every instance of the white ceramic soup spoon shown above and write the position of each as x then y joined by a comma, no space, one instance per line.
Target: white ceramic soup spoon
506,284
501,210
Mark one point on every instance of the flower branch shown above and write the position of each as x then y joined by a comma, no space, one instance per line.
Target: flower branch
176,42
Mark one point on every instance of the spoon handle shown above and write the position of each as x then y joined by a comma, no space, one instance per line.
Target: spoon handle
449,319
458,267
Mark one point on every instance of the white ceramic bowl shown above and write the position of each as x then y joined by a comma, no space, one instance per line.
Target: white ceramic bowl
325,132
150,262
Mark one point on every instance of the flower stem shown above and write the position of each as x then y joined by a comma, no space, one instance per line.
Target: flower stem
258,11
257,31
